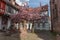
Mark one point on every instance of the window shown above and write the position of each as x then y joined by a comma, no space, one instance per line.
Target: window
8,9
14,11
38,24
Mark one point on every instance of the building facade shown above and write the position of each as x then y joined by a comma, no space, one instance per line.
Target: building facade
55,15
43,23
7,8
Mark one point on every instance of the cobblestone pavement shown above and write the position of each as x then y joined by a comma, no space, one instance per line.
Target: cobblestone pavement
12,37
45,35
31,36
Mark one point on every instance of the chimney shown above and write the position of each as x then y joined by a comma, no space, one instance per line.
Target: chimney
40,4
12,2
26,4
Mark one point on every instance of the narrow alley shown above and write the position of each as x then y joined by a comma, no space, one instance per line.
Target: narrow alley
29,20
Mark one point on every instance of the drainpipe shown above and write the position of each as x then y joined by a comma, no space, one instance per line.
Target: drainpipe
9,23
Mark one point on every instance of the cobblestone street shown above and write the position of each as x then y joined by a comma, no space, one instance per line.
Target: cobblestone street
31,36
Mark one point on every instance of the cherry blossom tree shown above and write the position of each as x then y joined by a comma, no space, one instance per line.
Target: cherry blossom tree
27,15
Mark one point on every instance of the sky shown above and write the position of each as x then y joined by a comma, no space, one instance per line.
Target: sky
36,3
33,3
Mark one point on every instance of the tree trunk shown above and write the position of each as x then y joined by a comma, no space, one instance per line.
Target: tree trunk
25,26
23,30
